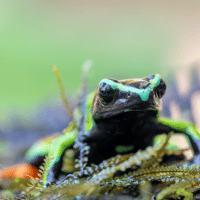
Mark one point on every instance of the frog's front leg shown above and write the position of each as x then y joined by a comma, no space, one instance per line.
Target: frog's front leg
166,125
56,155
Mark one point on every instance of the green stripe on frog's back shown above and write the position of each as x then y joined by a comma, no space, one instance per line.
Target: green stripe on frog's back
143,93
77,116
88,120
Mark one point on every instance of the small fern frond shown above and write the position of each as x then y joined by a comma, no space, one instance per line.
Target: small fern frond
164,174
37,183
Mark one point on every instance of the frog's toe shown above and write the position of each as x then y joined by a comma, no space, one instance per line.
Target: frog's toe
50,183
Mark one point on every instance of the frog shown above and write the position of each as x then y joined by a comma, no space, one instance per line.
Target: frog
121,113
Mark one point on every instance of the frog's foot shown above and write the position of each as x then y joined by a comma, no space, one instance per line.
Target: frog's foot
49,183
22,170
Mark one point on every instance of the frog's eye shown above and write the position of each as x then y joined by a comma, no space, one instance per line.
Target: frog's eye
160,88
106,93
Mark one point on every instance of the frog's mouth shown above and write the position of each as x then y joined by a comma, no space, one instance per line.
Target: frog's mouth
111,113
134,110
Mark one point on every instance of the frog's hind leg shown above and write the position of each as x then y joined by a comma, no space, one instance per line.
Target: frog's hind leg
167,125
56,155
36,154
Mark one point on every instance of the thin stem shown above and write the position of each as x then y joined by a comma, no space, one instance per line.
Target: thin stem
62,92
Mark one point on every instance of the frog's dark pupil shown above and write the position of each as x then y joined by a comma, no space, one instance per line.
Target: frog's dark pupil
106,92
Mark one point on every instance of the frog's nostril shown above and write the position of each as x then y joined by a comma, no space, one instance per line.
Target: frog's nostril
128,95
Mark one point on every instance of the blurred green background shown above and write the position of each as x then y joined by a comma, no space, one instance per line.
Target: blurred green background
123,39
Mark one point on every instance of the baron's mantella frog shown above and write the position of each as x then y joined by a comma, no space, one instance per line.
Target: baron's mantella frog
120,113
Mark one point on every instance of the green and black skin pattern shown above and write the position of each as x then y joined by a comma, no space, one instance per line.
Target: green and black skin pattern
123,113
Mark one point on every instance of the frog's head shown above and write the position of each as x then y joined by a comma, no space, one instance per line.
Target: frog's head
114,97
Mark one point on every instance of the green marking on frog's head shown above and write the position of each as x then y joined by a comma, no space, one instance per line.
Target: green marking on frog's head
143,93
117,96
155,81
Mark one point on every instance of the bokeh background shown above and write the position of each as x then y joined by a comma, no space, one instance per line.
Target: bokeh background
123,39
